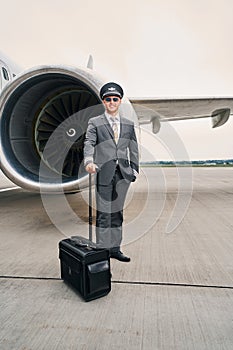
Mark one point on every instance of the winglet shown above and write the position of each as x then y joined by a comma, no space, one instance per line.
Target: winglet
90,62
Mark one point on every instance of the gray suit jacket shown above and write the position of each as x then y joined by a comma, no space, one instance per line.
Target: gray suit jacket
100,148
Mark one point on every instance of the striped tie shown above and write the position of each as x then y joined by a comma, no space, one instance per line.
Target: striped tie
115,129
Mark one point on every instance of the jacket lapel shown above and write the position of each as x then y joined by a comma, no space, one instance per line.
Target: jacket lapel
124,128
108,126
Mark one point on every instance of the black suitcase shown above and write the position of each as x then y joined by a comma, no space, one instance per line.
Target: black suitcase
84,266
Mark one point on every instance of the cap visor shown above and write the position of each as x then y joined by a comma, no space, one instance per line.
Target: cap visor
111,94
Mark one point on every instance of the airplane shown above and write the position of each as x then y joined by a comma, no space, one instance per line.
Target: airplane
44,113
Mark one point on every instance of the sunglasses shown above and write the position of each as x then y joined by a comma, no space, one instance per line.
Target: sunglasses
109,99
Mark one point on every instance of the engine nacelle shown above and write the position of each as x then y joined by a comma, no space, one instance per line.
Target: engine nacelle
44,114
33,106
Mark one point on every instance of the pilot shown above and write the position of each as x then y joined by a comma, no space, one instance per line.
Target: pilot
111,151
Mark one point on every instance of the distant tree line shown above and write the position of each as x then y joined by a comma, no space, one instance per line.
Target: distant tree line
190,163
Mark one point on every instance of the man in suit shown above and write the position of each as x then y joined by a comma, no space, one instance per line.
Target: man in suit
111,150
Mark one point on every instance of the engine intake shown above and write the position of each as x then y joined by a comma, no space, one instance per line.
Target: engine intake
32,107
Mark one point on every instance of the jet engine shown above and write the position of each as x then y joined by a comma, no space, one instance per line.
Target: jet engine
43,119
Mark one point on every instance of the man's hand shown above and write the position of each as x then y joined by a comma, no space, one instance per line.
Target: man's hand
91,168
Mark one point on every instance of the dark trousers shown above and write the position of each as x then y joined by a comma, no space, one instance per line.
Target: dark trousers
110,201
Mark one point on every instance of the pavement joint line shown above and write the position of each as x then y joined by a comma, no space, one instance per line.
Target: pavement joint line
125,282
172,284
31,278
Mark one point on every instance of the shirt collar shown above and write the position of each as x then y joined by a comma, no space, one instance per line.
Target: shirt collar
109,117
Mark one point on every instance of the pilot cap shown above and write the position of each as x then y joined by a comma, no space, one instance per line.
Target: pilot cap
111,89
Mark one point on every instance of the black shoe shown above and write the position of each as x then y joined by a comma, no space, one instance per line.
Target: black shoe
120,256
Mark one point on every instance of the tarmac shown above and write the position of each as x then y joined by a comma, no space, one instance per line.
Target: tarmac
176,293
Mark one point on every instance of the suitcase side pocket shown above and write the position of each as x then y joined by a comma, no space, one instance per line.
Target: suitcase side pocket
99,277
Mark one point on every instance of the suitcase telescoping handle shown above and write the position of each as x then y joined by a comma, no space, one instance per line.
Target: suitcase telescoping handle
80,241
90,210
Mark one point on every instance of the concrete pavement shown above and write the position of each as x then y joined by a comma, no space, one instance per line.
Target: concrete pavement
176,293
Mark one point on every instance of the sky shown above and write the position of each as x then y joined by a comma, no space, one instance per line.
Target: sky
153,48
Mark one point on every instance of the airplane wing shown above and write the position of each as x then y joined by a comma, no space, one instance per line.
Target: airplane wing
156,110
